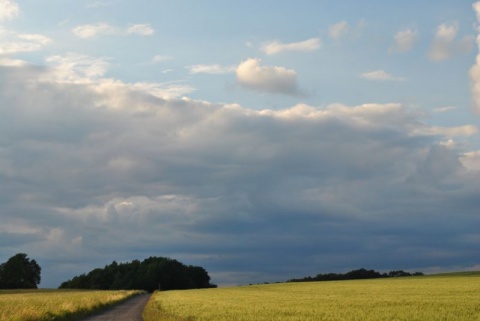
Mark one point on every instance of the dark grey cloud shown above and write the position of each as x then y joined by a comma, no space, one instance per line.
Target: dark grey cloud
98,170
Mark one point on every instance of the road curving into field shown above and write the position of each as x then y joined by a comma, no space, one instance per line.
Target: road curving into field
130,310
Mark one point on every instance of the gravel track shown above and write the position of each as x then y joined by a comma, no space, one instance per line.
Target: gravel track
130,310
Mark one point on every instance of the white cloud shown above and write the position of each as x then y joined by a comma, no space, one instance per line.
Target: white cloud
404,40
465,45
275,47
140,29
476,8
160,58
445,45
12,62
35,38
16,43
444,109
163,90
98,4
471,160
475,70
338,30
380,75
93,30
77,68
8,10
105,29
252,75
442,46
466,131
210,69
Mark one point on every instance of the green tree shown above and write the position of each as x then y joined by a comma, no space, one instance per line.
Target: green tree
19,272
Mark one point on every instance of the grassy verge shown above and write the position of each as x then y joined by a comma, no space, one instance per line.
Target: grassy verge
62,305
154,311
431,298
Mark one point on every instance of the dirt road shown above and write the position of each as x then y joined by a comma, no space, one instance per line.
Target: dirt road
130,310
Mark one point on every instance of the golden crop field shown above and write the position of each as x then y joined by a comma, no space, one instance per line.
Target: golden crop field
40,305
429,298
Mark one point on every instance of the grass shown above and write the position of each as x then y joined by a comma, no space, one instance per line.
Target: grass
450,297
43,305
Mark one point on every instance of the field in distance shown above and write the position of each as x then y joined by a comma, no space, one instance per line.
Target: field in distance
447,297
39,305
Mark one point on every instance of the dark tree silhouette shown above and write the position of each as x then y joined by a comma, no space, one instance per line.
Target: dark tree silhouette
355,275
154,273
19,272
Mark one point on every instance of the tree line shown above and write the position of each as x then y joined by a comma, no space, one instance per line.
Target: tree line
20,272
153,273
355,275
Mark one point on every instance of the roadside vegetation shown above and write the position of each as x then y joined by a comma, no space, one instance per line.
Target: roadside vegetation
62,305
434,298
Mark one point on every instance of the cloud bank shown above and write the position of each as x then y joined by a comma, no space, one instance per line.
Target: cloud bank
107,170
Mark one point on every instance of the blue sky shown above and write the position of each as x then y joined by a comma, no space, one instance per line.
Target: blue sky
262,140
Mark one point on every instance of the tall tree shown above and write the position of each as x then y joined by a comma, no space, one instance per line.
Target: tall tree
19,272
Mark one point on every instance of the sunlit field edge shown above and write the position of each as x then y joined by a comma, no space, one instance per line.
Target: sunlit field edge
43,304
442,297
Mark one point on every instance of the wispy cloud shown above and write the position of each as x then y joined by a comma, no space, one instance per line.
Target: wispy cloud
471,160
404,40
12,62
380,75
98,4
9,9
338,30
160,58
75,68
252,75
16,43
210,69
93,30
444,109
105,29
276,47
140,29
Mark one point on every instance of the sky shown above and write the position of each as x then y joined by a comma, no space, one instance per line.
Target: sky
262,140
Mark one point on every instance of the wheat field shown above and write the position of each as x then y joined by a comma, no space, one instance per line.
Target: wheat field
43,305
435,298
